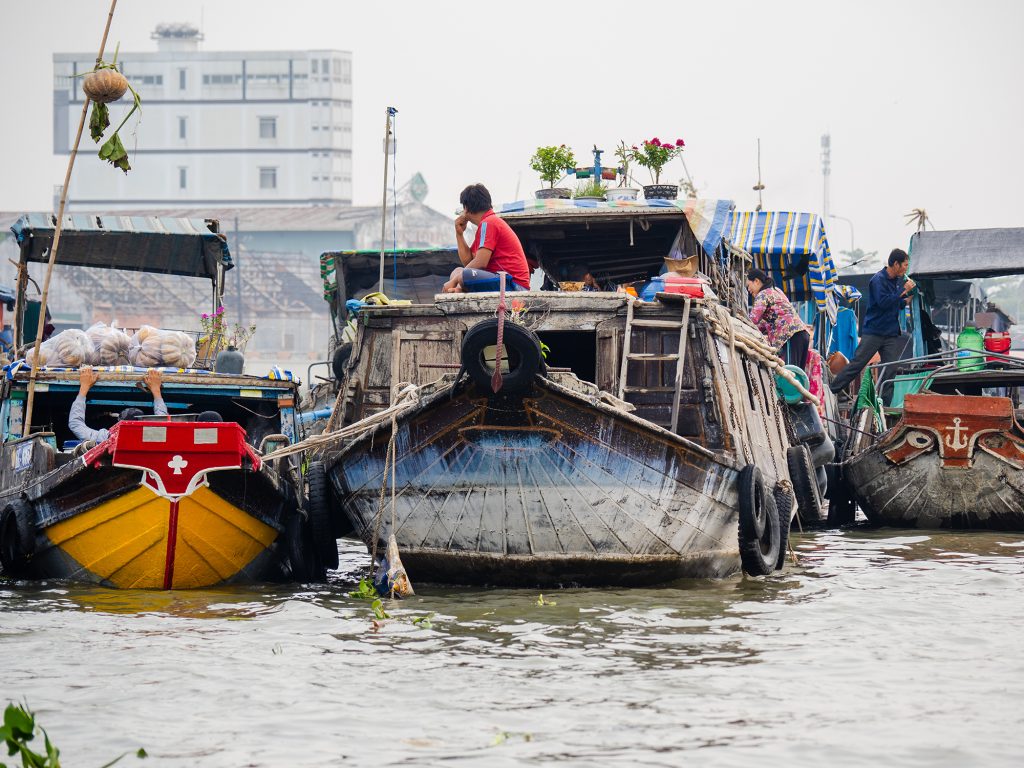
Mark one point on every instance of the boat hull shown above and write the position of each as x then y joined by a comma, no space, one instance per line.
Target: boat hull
952,461
104,519
551,488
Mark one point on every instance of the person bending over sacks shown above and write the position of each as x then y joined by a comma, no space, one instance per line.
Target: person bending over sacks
87,377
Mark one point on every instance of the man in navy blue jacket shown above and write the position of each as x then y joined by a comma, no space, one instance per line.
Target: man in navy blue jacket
888,291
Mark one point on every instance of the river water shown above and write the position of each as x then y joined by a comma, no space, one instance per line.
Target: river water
884,647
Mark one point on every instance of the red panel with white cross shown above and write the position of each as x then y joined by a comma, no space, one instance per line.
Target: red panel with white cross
177,455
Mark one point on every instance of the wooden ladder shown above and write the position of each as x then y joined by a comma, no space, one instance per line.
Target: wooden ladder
643,358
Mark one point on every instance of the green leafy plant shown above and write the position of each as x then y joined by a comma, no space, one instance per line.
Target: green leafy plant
423,622
19,728
378,610
591,188
654,155
364,591
624,154
112,150
542,601
504,736
552,162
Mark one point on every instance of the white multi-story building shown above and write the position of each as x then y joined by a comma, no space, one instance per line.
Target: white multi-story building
246,128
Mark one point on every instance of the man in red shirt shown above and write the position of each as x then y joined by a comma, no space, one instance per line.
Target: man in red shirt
495,248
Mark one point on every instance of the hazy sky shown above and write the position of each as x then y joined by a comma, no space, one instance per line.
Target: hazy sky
924,100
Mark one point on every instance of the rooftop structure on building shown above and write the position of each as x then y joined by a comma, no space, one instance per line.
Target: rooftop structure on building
221,128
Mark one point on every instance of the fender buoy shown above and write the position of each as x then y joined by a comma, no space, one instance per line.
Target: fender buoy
805,483
522,354
759,538
17,536
303,558
320,518
784,501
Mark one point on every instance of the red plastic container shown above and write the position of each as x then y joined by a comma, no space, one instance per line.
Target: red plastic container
997,341
685,286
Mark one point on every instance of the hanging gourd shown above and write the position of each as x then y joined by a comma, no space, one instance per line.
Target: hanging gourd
103,85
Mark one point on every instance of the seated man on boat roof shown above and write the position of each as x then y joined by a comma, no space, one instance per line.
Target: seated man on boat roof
87,377
496,248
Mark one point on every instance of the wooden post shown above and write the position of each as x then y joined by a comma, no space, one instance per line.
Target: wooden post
56,239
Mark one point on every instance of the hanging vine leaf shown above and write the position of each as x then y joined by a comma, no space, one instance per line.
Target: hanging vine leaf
99,120
114,153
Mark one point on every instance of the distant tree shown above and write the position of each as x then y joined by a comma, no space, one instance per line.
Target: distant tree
856,260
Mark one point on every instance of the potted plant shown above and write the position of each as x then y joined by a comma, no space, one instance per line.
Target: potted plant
623,192
591,190
654,155
552,163
211,337
232,359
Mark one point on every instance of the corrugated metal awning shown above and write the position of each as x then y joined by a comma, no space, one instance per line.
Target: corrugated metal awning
187,247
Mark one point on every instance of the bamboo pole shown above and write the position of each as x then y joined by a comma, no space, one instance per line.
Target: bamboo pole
384,201
27,425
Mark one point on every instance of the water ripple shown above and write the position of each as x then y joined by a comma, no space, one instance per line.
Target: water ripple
876,647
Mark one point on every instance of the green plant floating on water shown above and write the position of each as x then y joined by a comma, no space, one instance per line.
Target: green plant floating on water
364,591
378,609
504,736
423,622
542,601
19,728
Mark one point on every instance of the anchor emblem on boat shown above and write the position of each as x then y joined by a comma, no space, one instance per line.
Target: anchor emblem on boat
956,440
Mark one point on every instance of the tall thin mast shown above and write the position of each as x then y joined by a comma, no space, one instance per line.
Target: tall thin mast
389,113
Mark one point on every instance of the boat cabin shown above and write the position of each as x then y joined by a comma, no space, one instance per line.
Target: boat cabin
188,248
660,356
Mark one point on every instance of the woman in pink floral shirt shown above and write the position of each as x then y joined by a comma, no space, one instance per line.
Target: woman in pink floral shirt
776,318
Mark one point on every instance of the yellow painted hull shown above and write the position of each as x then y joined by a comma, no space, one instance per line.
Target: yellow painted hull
144,541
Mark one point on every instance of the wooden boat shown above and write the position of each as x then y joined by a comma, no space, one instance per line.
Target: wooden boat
649,444
162,503
953,456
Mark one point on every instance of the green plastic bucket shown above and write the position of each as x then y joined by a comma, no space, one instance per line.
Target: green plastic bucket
786,390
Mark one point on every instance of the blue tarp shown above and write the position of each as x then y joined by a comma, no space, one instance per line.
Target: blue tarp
791,247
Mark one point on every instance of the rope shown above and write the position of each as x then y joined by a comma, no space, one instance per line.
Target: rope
498,352
408,398
756,348
389,461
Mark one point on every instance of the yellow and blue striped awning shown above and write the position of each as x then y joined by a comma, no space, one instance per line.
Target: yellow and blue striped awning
791,247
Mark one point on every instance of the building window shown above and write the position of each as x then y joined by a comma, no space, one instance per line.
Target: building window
181,79
268,178
325,67
268,127
182,178
182,127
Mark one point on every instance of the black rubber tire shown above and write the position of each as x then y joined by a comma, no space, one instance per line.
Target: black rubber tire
340,360
320,518
521,346
759,552
17,536
805,483
784,506
842,507
303,559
